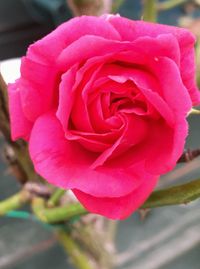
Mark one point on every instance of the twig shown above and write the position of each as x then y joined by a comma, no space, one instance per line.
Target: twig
181,194
116,5
90,7
38,189
198,61
18,149
4,118
149,10
14,202
56,214
55,198
79,259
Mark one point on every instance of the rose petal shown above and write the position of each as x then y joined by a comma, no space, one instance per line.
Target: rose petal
48,48
134,132
160,151
20,125
165,45
121,207
66,96
66,164
131,30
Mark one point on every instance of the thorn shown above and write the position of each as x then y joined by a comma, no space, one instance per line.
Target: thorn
144,213
189,155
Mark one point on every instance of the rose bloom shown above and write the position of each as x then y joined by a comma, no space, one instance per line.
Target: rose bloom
103,102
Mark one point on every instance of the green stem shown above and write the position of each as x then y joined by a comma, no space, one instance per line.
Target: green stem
56,214
181,194
150,10
198,61
14,202
168,4
116,5
55,198
194,111
78,258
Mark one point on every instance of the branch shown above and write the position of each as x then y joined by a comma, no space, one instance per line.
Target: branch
56,214
78,258
14,202
4,118
198,61
181,194
17,152
55,197
116,5
149,10
90,7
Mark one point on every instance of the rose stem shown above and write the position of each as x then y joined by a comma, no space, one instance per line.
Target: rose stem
14,202
150,10
55,198
116,5
198,61
56,214
78,258
181,194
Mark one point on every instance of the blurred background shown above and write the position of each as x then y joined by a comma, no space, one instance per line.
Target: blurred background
166,238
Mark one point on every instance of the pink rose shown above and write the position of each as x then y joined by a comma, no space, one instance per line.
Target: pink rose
103,103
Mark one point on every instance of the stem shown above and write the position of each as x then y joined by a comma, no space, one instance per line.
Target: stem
194,111
21,163
150,10
198,61
181,194
96,242
168,4
55,198
78,258
4,118
116,5
90,7
56,214
14,202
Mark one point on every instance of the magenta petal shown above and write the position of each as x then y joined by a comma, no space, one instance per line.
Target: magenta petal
173,89
66,96
20,125
48,48
66,164
131,30
153,97
134,132
120,207
169,153
38,88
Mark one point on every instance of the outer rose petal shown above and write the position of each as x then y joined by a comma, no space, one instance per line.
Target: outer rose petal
164,45
66,164
120,207
37,88
131,30
20,126
48,48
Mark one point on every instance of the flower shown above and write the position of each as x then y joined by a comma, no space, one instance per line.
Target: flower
103,102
